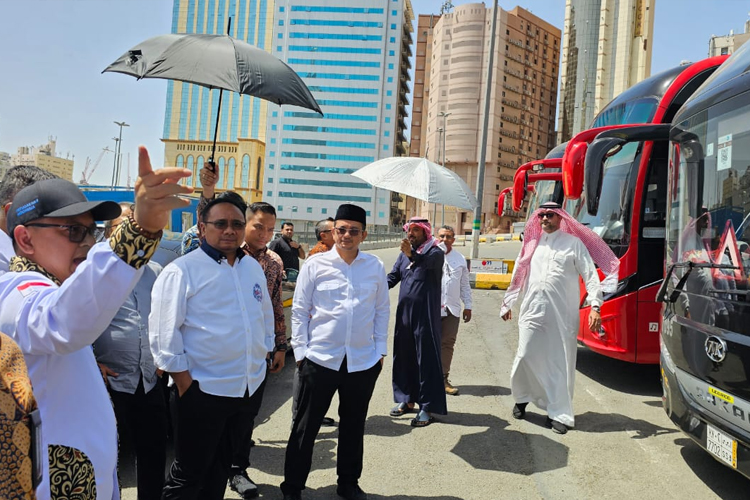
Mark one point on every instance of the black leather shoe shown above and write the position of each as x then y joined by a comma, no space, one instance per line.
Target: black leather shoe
519,411
557,427
351,492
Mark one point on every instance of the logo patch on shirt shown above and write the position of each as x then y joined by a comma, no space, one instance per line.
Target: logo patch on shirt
31,287
257,293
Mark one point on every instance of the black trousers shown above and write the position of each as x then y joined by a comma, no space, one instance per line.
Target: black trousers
142,425
317,385
203,444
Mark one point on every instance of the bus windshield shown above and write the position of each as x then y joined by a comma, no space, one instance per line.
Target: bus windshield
612,220
544,191
626,113
709,210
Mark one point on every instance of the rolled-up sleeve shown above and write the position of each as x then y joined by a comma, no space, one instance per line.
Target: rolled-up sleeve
301,307
168,307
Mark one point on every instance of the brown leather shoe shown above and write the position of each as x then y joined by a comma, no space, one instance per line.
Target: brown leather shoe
449,389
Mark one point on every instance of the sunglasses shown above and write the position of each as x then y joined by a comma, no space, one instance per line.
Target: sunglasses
548,215
351,230
76,232
222,224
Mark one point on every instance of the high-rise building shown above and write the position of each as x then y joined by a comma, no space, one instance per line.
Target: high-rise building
425,26
354,57
522,101
44,157
190,115
606,50
726,44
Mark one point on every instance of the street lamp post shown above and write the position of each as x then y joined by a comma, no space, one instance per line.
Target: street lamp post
118,155
483,147
114,166
444,115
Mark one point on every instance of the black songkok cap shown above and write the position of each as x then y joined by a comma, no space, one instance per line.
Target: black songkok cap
348,211
551,205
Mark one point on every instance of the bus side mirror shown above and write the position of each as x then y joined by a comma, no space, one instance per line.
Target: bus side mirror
598,152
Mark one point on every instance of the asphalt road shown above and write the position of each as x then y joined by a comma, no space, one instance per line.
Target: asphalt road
623,446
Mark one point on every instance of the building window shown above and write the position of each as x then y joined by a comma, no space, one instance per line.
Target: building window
257,173
393,26
309,210
323,211
280,208
232,164
245,175
222,163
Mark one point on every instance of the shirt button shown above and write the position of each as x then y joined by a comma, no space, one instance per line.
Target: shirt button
140,253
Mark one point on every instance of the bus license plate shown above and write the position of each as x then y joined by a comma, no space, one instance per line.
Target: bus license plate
721,446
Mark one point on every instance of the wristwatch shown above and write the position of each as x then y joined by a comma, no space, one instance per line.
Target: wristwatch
282,347
595,308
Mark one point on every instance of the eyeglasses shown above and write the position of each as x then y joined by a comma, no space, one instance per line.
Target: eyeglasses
326,231
76,232
222,224
351,230
548,215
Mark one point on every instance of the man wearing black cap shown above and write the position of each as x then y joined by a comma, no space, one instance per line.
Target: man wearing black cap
339,333
51,308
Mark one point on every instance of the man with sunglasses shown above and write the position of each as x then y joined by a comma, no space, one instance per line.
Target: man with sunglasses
556,251
324,234
339,334
60,294
212,329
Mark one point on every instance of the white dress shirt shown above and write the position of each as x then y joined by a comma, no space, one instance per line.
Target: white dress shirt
339,310
55,327
213,320
6,252
456,287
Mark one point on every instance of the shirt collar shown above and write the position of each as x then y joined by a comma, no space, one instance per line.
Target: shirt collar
216,255
257,254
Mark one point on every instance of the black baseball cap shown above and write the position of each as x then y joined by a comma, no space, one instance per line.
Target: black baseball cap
56,198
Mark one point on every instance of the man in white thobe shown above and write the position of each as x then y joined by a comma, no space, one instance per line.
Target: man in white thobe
543,372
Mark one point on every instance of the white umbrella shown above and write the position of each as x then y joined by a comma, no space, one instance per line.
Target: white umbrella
419,178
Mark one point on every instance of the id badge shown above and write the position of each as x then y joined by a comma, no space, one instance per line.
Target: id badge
36,453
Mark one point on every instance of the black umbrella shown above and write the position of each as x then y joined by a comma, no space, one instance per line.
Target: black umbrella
217,62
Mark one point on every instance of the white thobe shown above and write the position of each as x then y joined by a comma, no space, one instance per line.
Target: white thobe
543,372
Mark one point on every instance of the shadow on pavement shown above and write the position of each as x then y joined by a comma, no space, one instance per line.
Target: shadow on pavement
614,422
726,483
329,492
483,391
630,378
489,449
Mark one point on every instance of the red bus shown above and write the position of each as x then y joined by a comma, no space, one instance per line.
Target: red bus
630,210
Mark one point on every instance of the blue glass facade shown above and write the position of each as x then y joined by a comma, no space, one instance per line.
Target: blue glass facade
345,52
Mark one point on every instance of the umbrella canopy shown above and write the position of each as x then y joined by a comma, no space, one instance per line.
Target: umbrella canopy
216,62
419,178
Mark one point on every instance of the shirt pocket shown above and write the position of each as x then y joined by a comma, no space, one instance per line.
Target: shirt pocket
331,293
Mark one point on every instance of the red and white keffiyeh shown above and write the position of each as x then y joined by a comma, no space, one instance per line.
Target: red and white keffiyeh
600,252
425,225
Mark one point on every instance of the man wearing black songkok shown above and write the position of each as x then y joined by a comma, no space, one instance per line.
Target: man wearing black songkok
339,335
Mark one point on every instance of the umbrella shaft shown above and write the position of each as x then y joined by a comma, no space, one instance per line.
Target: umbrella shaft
216,128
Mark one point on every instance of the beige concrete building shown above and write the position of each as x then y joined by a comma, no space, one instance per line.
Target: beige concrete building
240,164
607,48
44,157
522,105
727,44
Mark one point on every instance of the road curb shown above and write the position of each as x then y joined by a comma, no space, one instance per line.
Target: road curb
490,281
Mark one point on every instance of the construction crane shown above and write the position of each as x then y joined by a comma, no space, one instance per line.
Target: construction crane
89,169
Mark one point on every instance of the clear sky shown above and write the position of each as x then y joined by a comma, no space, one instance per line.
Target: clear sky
55,50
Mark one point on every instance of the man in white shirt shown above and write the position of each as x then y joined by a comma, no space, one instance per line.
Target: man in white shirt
456,288
212,329
14,180
60,294
339,332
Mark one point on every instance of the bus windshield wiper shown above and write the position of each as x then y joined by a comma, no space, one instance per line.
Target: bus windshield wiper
677,290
